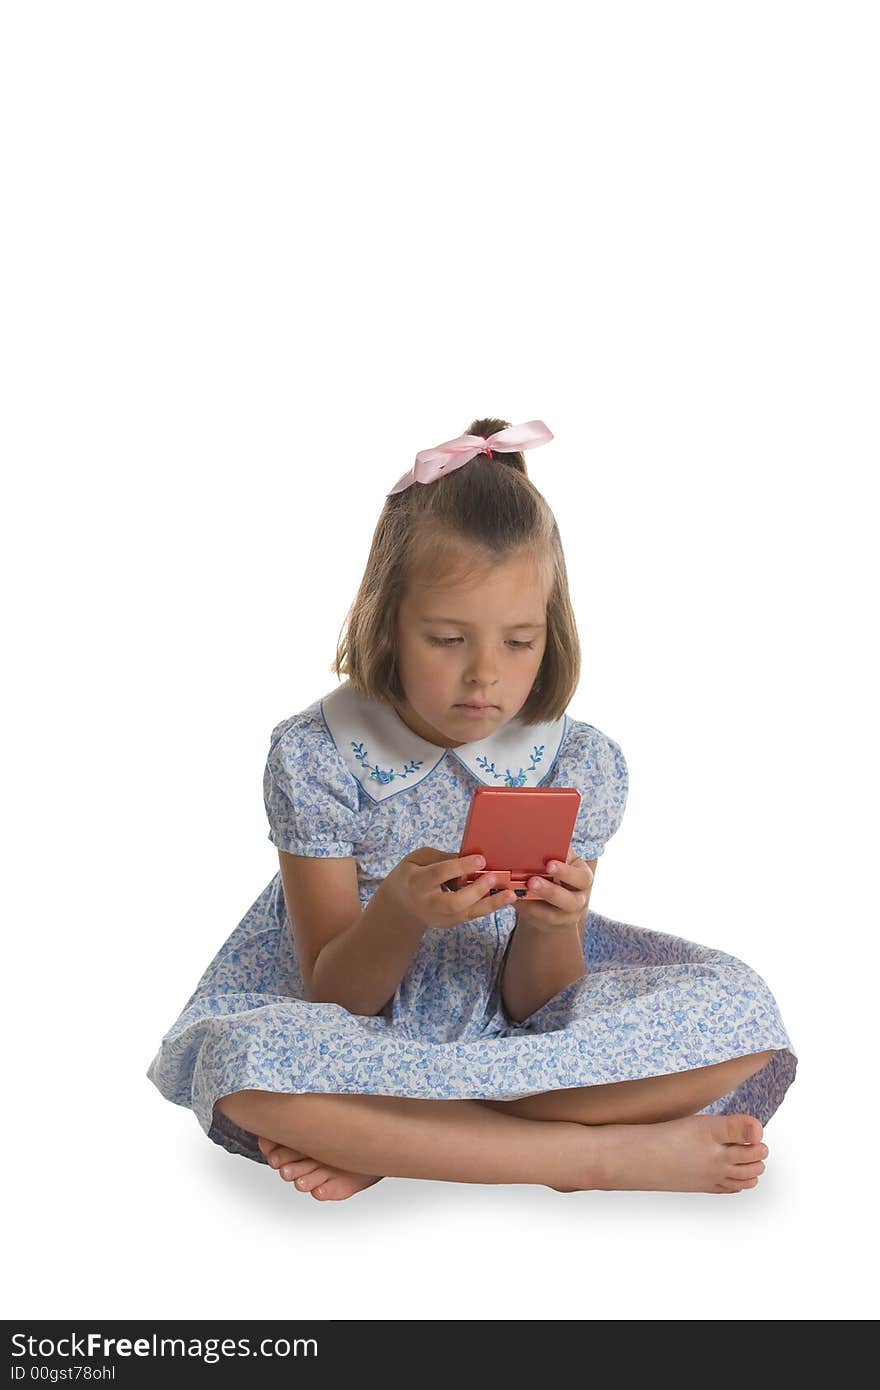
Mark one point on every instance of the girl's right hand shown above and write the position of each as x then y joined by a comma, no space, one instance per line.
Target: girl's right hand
415,885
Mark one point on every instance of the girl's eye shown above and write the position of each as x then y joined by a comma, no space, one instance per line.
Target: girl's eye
448,641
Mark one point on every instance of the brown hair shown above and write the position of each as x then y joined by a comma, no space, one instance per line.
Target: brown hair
479,515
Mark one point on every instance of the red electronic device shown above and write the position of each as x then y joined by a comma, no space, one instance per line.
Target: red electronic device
517,829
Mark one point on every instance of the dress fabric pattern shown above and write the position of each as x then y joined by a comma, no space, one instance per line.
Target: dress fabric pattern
347,778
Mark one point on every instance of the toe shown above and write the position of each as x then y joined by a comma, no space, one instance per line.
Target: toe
737,1172
281,1155
309,1181
299,1169
743,1129
341,1185
335,1188
747,1153
331,1190
731,1185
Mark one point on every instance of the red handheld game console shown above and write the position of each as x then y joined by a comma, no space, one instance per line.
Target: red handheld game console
517,829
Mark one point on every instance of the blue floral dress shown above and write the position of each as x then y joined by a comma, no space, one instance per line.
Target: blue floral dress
347,777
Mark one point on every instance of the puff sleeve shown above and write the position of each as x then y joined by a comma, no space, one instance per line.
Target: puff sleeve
310,796
594,763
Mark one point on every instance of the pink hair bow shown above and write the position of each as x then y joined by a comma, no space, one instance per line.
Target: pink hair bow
445,458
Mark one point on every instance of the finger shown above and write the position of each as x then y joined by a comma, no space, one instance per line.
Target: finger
472,864
480,901
478,891
457,868
549,891
571,900
578,877
562,873
478,896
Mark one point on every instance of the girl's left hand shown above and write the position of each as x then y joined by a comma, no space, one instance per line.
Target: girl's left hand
565,896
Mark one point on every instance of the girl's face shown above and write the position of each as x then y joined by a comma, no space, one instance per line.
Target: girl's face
480,643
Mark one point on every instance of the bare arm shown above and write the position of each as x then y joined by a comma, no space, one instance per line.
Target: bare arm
362,966
346,955
541,963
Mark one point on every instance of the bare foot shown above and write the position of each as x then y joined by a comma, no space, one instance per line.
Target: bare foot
698,1153
325,1183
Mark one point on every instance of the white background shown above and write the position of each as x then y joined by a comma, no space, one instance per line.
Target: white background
258,255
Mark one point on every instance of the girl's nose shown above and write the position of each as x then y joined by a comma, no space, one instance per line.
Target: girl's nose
482,674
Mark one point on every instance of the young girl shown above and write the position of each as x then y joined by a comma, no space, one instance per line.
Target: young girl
360,1021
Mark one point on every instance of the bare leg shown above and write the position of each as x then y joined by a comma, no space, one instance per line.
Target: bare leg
647,1101
453,1140
466,1141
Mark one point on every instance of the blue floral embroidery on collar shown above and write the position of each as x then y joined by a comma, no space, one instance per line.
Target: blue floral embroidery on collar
377,773
508,778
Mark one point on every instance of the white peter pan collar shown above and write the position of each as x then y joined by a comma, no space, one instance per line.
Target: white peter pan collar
386,757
